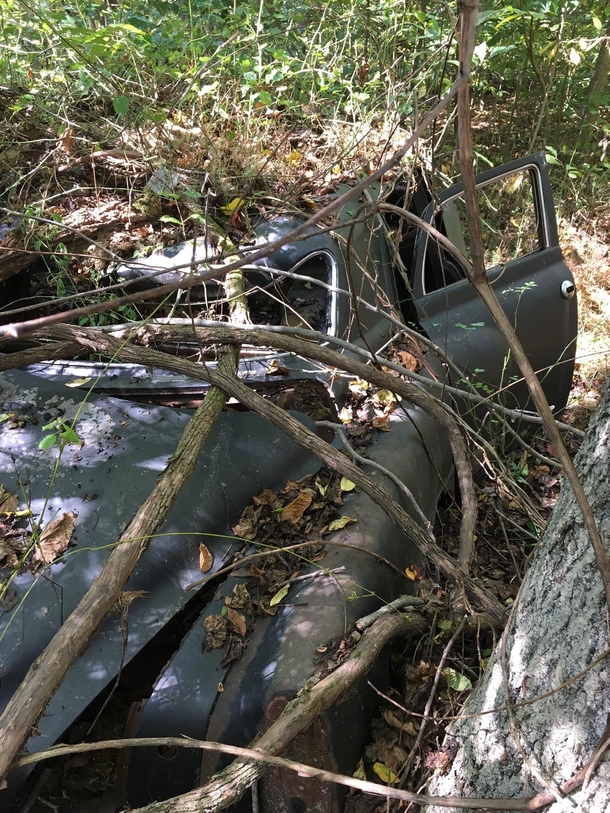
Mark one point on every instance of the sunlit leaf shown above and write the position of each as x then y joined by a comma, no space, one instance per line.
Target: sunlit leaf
347,485
575,57
360,772
457,681
233,206
339,523
280,595
385,774
77,382
48,441
206,560
597,23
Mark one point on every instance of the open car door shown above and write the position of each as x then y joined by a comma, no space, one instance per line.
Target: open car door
526,269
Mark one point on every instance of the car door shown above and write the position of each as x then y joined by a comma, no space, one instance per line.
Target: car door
526,269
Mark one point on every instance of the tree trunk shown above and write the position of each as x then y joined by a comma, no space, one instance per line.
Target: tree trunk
558,628
599,77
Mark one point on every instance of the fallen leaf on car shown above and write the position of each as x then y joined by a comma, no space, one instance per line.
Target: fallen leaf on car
382,423
415,573
55,538
384,397
215,627
345,416
360,773
293,512
281,594
77,382
276,368
339,523
206,560
266,497
236,621
8,501
347,485
358,387
385,774
408,360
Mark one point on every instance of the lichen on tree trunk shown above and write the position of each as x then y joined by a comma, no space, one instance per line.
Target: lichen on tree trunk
559,627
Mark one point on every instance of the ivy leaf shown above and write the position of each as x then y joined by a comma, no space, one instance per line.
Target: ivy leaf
121,105
457,681
47,442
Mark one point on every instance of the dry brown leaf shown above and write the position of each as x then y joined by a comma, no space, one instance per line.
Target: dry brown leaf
67,140
215,627
266,497
383,423
206,560
55,538
8,502
236,621
391,719
295,510
276,368
407,360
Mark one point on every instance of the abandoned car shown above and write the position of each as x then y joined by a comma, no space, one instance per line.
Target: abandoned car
127,431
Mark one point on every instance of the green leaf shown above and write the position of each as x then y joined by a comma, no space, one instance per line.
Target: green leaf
47,442
385,774
169,219
68,435
281,594
121,105
457,681
597,23
347,485
3,417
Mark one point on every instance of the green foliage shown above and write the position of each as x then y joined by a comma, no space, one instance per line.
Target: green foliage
62,434
228,65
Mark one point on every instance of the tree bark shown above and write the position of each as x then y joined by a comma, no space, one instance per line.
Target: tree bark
599,77
558,628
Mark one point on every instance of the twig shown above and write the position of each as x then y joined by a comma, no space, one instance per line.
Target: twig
398,604
426,716
481,284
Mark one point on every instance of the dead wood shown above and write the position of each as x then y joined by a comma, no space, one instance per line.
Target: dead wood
76,233
35,355
103,343
227,786
478,278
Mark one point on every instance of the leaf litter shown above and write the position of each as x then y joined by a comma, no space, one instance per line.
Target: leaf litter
302,513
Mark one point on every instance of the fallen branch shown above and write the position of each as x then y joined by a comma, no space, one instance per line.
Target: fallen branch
33,694
411,392
228,785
